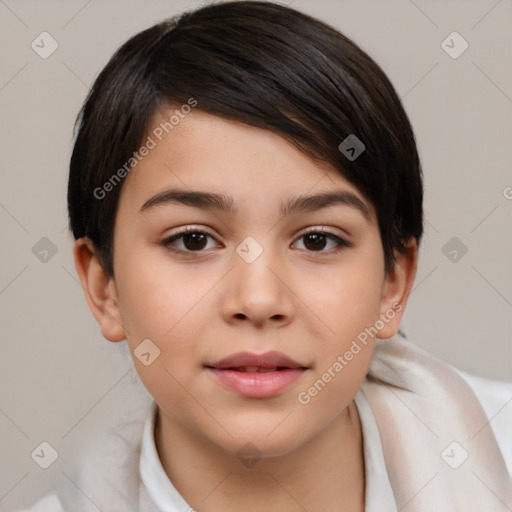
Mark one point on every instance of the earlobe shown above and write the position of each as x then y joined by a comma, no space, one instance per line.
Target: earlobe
397,287
99,289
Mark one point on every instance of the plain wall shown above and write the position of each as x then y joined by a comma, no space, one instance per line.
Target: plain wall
58,376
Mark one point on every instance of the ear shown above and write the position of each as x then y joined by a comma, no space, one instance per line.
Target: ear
99,290
396,289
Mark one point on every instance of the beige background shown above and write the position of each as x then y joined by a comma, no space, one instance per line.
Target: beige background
59,376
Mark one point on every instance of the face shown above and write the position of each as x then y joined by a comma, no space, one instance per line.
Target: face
254,269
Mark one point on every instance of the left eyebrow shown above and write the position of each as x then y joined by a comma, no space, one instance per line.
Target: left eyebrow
324,200
221,202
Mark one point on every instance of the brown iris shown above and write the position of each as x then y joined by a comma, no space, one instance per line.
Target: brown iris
195,241
314,241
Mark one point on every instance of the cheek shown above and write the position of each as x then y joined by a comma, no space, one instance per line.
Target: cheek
163,304
350,307
346,299
156,297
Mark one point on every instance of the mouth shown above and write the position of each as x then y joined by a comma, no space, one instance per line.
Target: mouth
256,375
255,369
249,362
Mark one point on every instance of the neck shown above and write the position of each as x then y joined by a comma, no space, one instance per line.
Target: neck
325,474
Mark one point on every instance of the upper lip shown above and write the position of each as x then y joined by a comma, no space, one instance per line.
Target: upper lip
271,359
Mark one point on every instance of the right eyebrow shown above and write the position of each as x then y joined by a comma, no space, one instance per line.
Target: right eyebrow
196,198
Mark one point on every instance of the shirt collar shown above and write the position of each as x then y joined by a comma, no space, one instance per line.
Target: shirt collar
155,484
379,495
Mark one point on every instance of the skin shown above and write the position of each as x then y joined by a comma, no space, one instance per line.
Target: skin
309,302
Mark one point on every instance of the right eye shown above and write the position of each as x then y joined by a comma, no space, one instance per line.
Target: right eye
189,240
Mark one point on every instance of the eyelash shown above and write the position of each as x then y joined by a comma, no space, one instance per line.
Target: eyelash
342,244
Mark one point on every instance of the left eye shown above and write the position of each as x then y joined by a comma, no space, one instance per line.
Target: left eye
316,241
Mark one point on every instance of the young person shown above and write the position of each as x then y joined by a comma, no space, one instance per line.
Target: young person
246,198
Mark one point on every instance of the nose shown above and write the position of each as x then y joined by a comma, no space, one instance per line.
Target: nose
258,292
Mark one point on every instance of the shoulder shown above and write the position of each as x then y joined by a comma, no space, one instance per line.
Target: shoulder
496,399
48,503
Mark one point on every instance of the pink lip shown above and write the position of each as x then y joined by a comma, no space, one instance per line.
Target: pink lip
267,360
268,375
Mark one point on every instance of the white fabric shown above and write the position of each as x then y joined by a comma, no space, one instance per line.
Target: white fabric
378,493
156,490
49,503
496,399
412,407
427,416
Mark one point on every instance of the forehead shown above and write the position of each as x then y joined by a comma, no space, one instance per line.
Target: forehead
235,162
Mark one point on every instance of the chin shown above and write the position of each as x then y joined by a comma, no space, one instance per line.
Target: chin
260,441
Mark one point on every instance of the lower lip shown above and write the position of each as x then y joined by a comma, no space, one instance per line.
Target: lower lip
258,384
